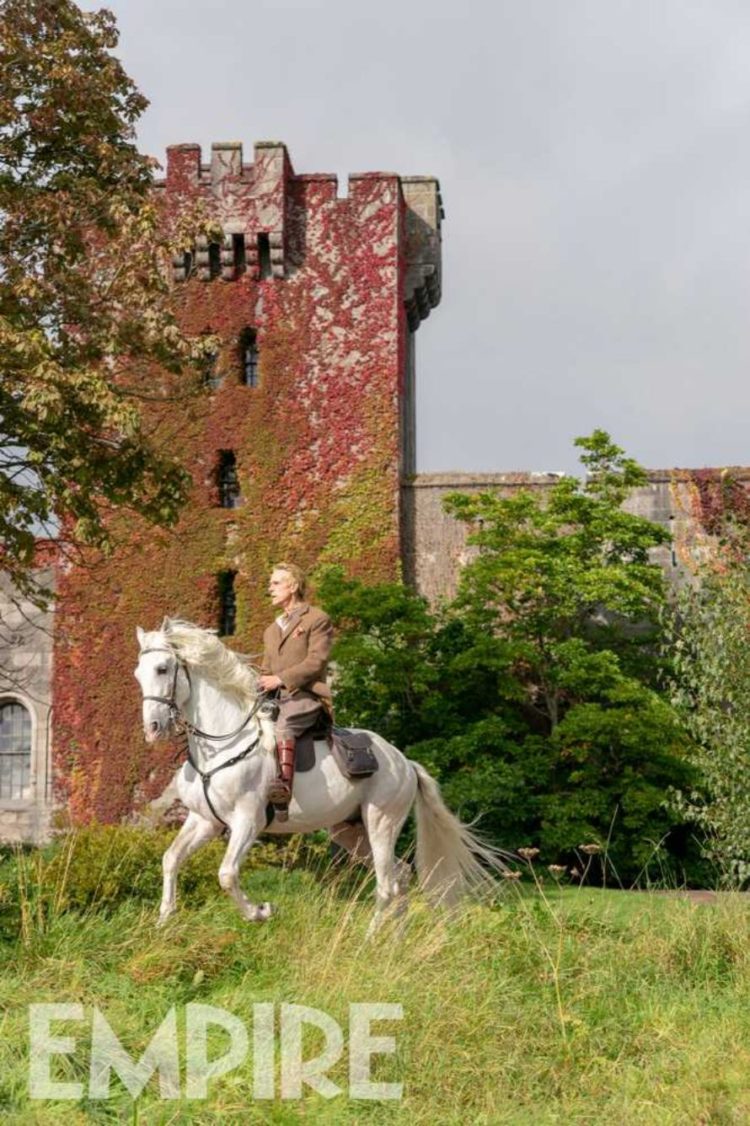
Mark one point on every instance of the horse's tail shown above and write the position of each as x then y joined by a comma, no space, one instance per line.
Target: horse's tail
451,860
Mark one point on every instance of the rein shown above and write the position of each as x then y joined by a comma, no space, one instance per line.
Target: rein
179,720
174,710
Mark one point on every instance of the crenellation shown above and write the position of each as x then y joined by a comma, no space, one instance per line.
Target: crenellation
183,168
259,198
226,163
423,222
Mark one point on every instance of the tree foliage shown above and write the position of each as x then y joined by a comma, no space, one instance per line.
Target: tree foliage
710,687
85,330
533,696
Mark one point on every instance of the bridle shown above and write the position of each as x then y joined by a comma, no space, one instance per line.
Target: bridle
180,723
174,712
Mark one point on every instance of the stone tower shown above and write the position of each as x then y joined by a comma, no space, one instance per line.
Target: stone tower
298,448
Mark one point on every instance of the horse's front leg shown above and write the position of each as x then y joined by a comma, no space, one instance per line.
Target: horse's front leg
246,826
195,831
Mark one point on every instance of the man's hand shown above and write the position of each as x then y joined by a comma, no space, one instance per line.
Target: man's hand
270,683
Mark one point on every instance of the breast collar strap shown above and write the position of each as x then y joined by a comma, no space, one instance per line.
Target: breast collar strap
206,775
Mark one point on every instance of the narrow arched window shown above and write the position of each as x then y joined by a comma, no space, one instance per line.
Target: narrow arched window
264,256
214,260
227,603
15,751
250,358
229,486
239,255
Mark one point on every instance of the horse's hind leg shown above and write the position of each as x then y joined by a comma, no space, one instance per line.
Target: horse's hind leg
392,875
243,832
352,836
194,832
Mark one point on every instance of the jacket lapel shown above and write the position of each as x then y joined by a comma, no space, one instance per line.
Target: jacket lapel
293,621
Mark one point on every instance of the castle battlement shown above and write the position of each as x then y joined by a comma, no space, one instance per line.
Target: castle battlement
270,217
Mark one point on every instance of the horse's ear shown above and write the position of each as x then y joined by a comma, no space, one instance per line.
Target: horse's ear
165,625
141,635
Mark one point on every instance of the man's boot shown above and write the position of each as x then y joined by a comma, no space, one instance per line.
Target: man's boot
280,793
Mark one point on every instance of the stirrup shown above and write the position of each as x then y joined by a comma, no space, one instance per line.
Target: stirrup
280,804
279,792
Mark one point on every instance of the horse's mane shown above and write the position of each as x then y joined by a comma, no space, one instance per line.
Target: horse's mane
201,649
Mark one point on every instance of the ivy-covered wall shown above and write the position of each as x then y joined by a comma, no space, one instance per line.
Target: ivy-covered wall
331,290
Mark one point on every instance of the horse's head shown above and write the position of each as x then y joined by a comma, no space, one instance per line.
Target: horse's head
164,683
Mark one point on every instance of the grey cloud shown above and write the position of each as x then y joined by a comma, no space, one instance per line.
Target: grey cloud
593,156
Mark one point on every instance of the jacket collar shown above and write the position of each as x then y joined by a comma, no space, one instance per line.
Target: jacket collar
294,617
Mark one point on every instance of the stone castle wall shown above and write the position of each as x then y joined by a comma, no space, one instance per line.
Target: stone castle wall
25,679
684,501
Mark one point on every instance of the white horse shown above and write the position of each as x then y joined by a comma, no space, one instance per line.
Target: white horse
189,678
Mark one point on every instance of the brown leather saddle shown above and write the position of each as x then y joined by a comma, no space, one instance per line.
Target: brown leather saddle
353,751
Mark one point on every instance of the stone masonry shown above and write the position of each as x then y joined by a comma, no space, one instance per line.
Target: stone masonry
25,679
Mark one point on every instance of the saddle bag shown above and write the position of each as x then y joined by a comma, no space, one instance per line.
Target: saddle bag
353,753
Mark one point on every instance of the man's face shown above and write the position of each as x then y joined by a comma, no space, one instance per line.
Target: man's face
281,588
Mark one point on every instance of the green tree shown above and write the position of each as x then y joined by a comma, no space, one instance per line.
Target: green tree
85,328
707,641
563,574
534,696
564,581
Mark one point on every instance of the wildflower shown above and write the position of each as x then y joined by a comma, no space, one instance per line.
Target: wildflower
527,853
575,873
590,849
512,875
556,869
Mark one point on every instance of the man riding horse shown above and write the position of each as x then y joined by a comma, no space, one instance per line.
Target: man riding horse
296,647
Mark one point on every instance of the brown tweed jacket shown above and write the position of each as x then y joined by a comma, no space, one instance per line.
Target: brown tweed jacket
299,655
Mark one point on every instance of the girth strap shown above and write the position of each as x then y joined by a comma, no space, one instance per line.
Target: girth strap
206,776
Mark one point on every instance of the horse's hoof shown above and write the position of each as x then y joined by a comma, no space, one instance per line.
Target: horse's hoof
163,919
261,914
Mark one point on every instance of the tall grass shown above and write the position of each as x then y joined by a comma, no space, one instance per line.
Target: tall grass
550,1006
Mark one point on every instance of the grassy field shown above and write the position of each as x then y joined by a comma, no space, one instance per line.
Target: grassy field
550,1006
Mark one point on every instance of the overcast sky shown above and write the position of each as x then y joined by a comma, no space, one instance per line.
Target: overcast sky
594,161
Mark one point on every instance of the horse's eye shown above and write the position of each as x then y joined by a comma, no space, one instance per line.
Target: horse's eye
161,670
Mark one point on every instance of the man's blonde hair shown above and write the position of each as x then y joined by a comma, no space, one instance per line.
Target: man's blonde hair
296,573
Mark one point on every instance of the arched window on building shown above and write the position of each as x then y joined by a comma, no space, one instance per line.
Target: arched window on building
15,751
264,256
239,254
249,357
229,486
227,603
214,260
